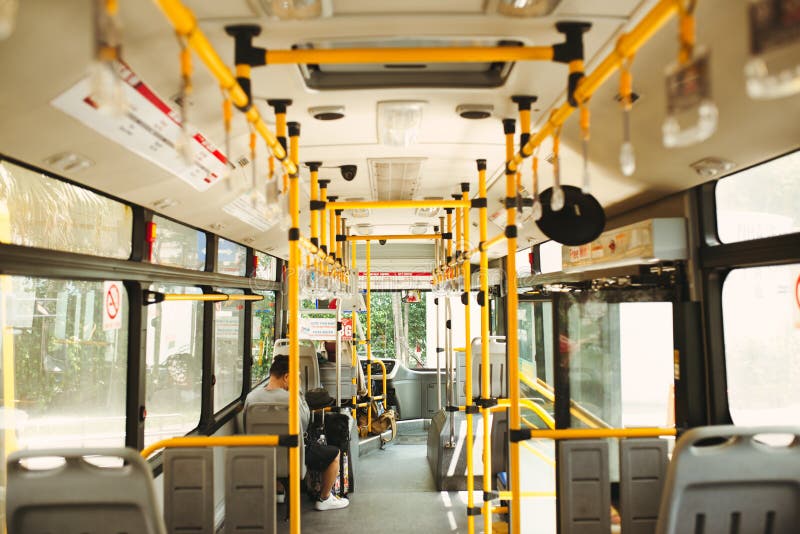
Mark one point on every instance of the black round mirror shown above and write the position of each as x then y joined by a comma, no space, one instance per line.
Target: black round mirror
580,221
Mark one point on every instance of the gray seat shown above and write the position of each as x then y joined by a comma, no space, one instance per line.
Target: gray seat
273,418
327,372
498,384
250,490
309,365
722,480
79,497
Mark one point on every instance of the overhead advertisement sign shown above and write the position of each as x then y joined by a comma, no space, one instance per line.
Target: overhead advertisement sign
148,127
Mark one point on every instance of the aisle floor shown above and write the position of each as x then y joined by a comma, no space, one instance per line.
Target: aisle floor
395,492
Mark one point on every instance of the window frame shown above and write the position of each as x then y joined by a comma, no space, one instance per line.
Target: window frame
716,261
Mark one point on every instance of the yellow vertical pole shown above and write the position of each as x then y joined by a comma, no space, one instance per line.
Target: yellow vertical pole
484,304
9,379
512,344
354,315
468,366
369,333
314,168
339,247
332,232
323,224
294,344
323,221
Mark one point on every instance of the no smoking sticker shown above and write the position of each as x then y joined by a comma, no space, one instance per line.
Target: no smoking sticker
112,305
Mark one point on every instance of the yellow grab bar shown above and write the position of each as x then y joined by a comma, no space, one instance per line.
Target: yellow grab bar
213,441
459,54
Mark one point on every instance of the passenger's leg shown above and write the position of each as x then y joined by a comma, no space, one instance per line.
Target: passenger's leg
329,478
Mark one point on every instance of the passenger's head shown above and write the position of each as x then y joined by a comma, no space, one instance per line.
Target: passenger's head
279,370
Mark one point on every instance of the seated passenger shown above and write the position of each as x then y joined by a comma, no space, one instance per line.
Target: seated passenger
322,458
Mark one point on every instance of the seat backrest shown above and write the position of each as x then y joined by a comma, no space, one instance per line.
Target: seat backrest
273,418
498,385
309,366
327,374
721,479
250,490
189,489
79,496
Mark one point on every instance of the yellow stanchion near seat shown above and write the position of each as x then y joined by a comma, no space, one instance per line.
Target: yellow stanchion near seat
294,330
369,332
468,366
485,363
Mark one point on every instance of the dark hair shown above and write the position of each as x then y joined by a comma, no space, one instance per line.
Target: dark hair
280,366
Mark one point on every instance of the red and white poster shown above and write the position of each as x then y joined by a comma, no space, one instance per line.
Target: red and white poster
387,280
347,329
112,305
148,127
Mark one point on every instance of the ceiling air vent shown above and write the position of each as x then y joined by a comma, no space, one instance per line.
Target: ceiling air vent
395,178
371,76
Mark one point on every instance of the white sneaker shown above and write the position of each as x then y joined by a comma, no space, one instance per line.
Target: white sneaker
331,503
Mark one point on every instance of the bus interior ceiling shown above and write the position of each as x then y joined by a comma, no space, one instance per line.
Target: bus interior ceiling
51,50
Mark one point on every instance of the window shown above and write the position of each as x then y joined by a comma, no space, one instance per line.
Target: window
178,245
231,258
64,371
620,361
267,267
228,350
263,335
398,328
762,201
48,213
174,360
761,322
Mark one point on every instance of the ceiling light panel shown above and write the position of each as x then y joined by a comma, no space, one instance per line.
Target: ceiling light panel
395,178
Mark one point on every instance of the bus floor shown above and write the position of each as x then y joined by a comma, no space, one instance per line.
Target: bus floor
395,492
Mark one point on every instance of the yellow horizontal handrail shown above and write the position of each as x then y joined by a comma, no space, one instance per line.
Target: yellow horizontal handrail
493,241
212,441
314,250
209,297
626,46
395,204
575,409
594,433
506,495
532,406
185,25
459,54
392,237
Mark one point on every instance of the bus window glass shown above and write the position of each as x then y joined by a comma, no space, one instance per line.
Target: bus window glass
228,350
398,328
263,335
620,362
39,211
63,363
267,268
231,258
177,245
761,322
174,360
762,201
